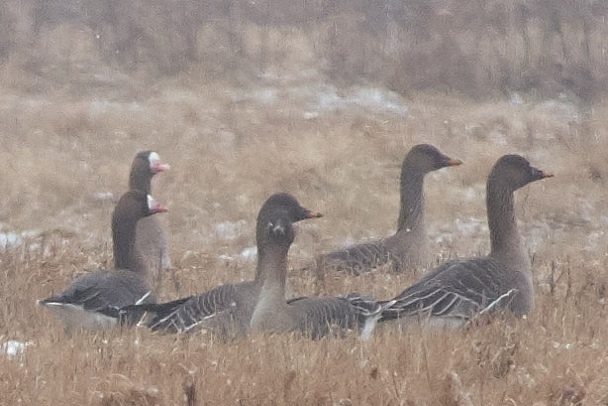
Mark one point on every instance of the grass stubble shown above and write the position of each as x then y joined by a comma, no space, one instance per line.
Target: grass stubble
61,158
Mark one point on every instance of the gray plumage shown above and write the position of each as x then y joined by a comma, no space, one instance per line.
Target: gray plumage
457,291
151,241
318,317
227,309
310,316
358,259
224,310
408,246
83,303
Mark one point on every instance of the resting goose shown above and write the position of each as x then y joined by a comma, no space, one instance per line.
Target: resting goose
151,239
313,317
227,309
408,246
82,304
459,290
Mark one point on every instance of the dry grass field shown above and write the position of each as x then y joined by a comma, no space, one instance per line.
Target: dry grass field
63,157
67,139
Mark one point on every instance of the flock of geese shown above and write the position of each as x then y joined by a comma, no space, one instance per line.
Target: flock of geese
451,295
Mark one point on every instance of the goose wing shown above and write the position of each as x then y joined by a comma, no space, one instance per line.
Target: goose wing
356,259
213,307
101,290
458,289
318,317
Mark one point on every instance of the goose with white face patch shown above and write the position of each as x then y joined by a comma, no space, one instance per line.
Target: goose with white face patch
151,239
83,303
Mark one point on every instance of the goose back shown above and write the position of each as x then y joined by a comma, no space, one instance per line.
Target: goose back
456,290
226,310
318,317
357,259
83,304
96,293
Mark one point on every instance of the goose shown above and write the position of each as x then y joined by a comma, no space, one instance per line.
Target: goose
226,310
81,305
151,239
313,317
407,248
458,291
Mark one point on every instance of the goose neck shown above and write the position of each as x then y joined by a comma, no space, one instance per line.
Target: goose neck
125,254
504,236
272,266
139,180
271,274
411,214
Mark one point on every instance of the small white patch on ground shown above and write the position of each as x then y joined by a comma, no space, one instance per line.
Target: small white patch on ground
249,254
14,348
229,230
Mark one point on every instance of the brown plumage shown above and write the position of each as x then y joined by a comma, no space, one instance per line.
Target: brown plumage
82,304
408,246
459,290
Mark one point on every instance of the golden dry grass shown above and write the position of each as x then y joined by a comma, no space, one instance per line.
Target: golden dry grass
227,157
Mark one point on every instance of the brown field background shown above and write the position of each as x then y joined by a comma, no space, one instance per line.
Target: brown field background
245,99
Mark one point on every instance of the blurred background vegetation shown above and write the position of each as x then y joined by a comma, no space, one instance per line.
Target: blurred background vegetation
474,48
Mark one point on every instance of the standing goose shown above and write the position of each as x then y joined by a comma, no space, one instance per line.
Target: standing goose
457,291
227,309
82,304
151,240
408,246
